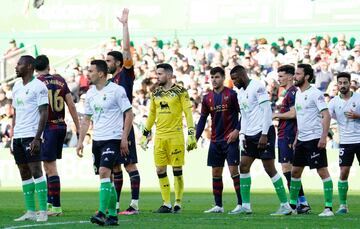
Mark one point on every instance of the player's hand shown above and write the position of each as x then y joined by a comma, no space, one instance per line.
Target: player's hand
351,115
263,142
143,142
79,149
294,144
191,143
322,143
274,116
242,142
35,146
233,136
12,146
124,17
124,147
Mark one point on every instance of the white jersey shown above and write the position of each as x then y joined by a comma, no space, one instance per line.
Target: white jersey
249,102
107,108
26,100
349,128
308,105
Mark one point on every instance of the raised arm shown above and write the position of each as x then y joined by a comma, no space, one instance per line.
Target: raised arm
126,38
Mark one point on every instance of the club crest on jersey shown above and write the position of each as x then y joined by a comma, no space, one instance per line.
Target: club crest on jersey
305,97
353,104
226,97
104,98
27,91
164,105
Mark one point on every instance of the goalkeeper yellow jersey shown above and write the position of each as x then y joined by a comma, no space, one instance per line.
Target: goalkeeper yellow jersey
166,108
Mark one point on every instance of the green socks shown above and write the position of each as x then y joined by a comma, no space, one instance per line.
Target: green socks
105,193
328,191
28,187
294,190
343,187
41,190
279,188
112,202
245,183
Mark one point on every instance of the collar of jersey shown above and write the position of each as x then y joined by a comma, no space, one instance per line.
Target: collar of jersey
32,78
342,97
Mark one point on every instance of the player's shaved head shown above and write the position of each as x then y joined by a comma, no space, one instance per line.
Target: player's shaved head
27,60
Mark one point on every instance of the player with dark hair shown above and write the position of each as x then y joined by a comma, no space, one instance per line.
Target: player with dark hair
257,138
167,103
30,102
222,104
55,129
345,108
106,104
287,130
121,67
313,121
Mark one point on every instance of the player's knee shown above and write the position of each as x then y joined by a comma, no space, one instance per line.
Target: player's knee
131,168
50,168
104,172
160,170
117,168
234,170
344,173
217,171
25,172
323,173
36,170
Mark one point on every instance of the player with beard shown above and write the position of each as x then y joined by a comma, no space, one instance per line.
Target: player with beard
121,67
167,104
287,130
345,108
313,121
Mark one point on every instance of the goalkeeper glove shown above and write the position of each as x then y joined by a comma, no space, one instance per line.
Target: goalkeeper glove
144,139
191,141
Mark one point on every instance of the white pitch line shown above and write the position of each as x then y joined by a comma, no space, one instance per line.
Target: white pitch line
46,224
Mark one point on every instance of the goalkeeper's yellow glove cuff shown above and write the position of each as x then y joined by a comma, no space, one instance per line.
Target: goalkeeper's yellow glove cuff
191,143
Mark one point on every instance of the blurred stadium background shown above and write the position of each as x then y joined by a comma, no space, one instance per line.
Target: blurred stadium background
73,32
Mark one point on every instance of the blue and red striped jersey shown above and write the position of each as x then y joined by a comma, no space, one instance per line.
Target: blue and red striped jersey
57,90
126,78
224,110
287,127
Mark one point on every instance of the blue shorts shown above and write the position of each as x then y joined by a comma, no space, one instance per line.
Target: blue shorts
285,150
132,157
221,151
21,151
105,153
52,146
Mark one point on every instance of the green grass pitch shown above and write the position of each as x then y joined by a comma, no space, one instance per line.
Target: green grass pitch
79,206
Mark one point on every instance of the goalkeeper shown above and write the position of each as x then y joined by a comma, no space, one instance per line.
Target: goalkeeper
167,103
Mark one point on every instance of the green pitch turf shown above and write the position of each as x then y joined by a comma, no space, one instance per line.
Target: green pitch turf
79,206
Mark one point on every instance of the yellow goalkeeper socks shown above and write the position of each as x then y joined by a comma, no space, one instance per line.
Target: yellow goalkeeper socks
164,188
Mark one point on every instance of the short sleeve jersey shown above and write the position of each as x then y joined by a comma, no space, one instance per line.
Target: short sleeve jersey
349,128
107,107
26,101
308,105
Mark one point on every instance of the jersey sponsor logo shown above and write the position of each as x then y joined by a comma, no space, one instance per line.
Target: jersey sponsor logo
176,151
97,108
108,151
19,102
314,155
298,107
164,105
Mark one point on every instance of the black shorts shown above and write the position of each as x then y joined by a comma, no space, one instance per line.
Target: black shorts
285,149
347,153
132,157
308,154
251,149
221,151
52,146
105,153
21,150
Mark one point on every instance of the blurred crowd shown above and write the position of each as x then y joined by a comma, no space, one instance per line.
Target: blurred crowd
192,63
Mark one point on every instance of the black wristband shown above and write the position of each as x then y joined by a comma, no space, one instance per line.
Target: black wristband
146,133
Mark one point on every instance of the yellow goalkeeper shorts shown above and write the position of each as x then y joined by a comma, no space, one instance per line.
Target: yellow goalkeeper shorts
169,151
